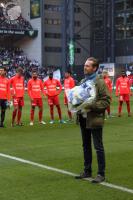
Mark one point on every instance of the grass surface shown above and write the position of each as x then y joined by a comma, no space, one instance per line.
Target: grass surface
59,145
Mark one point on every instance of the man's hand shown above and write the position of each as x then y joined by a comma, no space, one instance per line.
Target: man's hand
31,100
13,95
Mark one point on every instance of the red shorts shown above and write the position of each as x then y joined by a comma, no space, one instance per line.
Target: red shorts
124,97
65,100
37,102
18,101
53,100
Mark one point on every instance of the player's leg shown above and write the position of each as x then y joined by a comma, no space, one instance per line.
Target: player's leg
57,104
32,112
20,106
51,109
14,113
19,115
59,111
66,104
128,108
108,111
15,110
127,100
40,113
51,113
120,105
69,113
3,111
120,108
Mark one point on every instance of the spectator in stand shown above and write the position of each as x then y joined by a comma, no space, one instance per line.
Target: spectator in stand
35,88
17,83
69,83
14,57
124,92
53,88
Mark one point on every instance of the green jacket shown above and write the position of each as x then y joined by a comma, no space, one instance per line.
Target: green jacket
96,115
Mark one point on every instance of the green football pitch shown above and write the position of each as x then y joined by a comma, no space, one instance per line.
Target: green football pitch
59,146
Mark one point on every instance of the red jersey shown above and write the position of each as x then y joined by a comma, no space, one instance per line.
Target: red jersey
122,86
4,88
35,87
52,86
17,84
108,82
69,83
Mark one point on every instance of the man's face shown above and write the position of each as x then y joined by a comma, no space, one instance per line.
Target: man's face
88,67
34,75
67,74
19,74
51,75
123,74
105,75
2,72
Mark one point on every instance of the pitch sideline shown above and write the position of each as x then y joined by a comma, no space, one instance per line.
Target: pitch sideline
124,189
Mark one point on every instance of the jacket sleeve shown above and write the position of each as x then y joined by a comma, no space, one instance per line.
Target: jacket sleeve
103,99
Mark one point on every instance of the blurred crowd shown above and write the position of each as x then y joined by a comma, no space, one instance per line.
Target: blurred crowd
14,57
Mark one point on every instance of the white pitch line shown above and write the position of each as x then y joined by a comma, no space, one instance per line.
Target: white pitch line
124,189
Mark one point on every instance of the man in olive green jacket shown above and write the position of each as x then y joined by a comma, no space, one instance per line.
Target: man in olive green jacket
91,124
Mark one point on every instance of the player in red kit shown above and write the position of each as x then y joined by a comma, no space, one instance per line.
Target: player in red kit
69,83
4,94
123,90
17,83
108,83
52,93
35,90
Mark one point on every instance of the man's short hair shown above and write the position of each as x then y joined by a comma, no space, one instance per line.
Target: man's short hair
5,68
95,62
34,71
20,70
68,71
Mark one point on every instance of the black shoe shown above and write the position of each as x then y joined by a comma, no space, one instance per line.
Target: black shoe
83,175
98,179
2,125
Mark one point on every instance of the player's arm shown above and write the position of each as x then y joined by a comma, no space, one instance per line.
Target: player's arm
8,91
59,85
29,89
130,93
110,86
12,89
44,88
72,83
41,86
117,87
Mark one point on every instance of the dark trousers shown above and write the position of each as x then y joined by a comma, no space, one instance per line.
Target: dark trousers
3,110
87,135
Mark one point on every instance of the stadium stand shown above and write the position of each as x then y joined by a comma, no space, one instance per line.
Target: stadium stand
14,57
